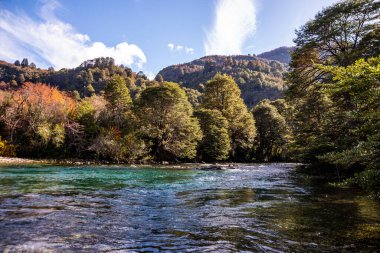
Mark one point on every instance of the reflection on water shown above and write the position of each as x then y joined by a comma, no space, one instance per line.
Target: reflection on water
252,208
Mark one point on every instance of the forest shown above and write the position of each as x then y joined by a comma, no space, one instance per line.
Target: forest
328,116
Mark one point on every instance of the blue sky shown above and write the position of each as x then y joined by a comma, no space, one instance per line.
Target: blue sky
147,35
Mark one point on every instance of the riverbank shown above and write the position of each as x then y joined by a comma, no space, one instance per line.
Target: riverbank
19,161
10,161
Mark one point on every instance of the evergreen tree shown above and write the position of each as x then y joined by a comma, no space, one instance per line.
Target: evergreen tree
117,94
25,62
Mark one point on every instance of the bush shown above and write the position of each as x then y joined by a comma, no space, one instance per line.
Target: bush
8,150
368,180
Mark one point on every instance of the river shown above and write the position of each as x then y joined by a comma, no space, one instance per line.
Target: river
253,208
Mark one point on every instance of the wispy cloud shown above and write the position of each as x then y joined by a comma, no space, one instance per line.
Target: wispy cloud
180,48
52,42
234,23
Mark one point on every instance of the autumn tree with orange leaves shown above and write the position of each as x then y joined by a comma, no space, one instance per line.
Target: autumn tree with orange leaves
36,117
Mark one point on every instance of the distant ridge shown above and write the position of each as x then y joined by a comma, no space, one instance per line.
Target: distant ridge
258,77
281,54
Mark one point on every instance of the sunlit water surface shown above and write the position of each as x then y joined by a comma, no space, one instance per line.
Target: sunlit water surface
259,208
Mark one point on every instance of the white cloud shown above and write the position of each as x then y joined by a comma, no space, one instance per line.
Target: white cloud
51,42
171,46
235,22
180,48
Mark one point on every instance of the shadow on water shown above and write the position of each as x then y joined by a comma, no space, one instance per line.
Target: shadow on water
253,208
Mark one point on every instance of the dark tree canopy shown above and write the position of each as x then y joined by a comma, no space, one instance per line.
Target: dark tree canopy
215,144
272,132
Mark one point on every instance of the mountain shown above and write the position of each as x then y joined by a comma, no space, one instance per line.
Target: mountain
281,54
258,78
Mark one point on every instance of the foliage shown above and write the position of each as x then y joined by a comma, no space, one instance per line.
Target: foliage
336,37
272,132
117,94
36,117
356,106
334,89
6,149
215,144
166,122
222,94
90,78
368,180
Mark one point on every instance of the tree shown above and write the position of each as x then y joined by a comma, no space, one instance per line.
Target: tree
215,144
24,62
222,94
32,65
353,123
119,104
90,90
17,63
117,93
21,78
165,121
159,78
36,117
337,36
272,132
340,32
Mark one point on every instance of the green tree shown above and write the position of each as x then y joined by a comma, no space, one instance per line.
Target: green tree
354,120
222,94
166,121
118,111
215,144
272,132
341,32
117,93
90,90
338,36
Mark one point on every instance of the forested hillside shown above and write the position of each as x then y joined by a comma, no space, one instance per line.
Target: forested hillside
87,79
257,78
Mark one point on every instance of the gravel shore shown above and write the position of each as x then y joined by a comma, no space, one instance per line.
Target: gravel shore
15,160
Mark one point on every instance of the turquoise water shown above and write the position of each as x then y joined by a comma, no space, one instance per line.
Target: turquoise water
254,208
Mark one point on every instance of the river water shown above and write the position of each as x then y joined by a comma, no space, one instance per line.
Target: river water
254,208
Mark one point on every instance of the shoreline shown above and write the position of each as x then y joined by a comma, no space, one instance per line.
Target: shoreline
15,161
19,161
